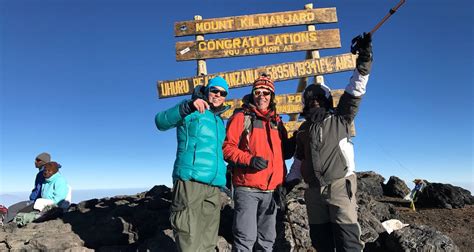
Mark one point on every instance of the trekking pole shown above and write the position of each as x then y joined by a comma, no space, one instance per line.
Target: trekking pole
390,13
356,40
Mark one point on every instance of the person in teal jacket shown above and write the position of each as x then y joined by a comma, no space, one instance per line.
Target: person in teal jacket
54,186
199,169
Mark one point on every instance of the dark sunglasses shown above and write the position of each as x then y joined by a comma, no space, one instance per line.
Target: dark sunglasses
261,92
217,91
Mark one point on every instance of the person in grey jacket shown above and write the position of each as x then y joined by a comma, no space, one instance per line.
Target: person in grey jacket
324,145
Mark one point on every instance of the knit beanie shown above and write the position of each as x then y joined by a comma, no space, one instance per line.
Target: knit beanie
264,81
217,81
45,157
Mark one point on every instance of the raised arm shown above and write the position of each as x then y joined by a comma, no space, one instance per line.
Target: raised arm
350,100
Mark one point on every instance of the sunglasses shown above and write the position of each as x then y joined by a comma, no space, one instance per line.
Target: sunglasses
218,91
261,92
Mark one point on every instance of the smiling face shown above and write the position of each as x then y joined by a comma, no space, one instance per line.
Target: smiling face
217,96
262,98
50,169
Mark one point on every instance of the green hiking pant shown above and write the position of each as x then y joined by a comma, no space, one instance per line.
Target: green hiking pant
195,216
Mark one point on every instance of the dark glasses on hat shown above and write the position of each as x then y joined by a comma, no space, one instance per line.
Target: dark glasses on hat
38,160
218,91
261,92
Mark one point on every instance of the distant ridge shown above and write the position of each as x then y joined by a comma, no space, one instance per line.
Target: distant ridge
8,199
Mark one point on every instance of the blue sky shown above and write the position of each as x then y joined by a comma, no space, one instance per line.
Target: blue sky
78,80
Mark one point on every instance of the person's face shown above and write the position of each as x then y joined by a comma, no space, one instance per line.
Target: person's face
38,163
49,171
319,101
261,98
217,96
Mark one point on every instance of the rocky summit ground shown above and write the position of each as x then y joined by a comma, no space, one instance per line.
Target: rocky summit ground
455,223
443,221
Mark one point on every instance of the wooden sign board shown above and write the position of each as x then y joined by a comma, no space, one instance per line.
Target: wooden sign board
246,77
292,126
257,21
256,45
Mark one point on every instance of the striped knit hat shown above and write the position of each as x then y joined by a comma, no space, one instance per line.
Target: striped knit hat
264,81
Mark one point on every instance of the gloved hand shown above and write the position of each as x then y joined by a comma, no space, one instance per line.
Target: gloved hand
362,44
190,106
258,163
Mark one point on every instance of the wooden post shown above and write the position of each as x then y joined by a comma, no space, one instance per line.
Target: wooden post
313,54
201,64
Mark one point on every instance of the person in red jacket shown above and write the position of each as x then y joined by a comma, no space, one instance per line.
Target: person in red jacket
254,148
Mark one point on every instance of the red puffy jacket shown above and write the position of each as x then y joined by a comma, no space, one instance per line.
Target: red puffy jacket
264,140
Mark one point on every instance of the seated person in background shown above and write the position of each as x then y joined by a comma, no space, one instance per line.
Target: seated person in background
54,188
40,161
54,192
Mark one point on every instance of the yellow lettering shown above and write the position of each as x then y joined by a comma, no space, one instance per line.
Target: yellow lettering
175,87
263,20
296,38
288,48
219,44
300,68
231,78
211,45
291,71
197,81
244,22
202,46
164,89
278,40
236,43
199,27
245,42
268,41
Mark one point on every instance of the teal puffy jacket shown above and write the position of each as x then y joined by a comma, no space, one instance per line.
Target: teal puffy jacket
200,137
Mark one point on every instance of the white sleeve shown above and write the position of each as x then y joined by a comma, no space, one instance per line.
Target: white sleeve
357,84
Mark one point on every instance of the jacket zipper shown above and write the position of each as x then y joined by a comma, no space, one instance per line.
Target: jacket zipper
217,150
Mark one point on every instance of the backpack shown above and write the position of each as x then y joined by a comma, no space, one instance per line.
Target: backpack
3,213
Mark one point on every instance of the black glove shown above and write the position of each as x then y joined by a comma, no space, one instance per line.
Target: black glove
258,163
187,108
362,44
279,195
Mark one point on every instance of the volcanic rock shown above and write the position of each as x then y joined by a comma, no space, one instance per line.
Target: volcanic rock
396,187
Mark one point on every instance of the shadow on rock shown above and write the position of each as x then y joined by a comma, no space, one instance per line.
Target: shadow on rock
124,222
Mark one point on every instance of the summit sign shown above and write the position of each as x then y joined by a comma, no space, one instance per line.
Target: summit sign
253,45
256,21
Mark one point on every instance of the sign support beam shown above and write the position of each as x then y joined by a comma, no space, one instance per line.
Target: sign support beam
201,64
